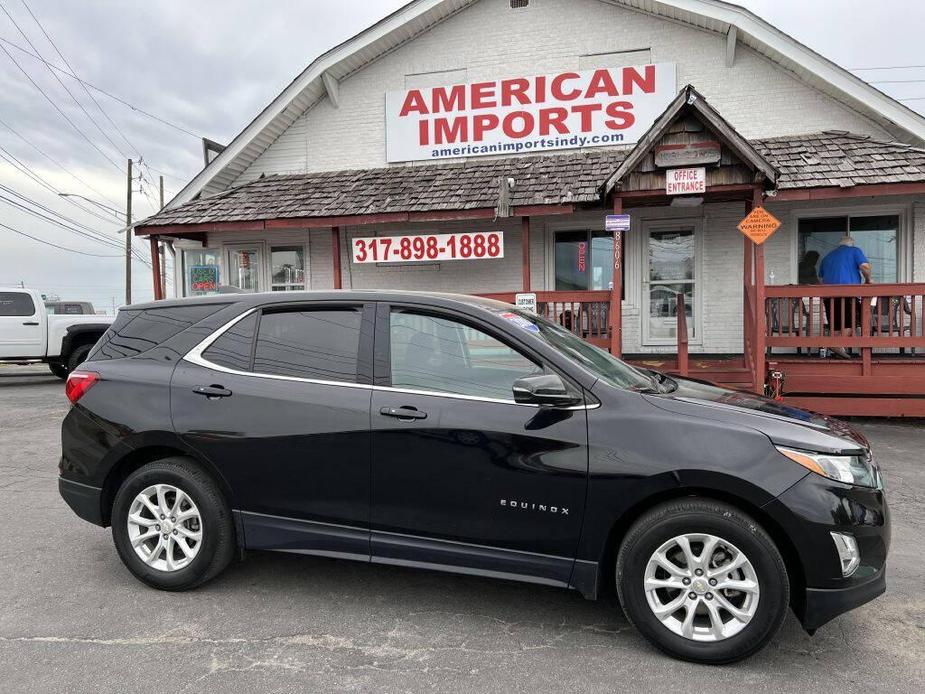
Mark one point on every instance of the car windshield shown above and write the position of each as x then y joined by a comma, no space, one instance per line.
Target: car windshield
601,363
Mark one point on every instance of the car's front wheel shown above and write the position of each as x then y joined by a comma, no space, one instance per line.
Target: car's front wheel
702,580
171,525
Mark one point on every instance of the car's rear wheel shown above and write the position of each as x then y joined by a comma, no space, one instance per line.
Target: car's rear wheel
59,370
702,580
172,525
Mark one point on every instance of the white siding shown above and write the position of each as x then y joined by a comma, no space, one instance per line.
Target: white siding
755,95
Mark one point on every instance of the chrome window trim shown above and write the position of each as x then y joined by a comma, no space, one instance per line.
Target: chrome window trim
194,356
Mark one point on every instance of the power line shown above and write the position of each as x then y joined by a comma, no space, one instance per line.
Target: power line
45,208
106,242
74,75
102,91
60,81
30,172
887,67
914,98
54,245
58,108
54,221
896,81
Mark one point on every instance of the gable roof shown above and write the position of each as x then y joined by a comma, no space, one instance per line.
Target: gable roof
820,160
418,16
688,100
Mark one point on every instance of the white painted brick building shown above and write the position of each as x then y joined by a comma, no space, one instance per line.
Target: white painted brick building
764,84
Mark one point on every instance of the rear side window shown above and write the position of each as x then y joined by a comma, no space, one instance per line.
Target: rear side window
135,332
16,304
234,348
317,344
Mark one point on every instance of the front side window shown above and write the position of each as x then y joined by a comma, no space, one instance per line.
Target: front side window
442,355
16,304
876,235
318,344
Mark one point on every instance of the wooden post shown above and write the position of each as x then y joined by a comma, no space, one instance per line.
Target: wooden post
155,268
760,314
525,247
616,292
162,247
335,255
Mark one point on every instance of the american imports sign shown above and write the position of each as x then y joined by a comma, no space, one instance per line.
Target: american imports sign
521,115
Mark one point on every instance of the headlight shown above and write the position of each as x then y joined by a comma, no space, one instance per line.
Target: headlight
851,469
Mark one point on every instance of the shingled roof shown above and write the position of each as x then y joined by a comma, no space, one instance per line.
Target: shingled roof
805,161
838,158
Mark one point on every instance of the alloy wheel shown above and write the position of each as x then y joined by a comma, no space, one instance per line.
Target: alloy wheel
701,587
164,527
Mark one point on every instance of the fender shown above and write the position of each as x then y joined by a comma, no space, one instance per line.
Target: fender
136,443
77,331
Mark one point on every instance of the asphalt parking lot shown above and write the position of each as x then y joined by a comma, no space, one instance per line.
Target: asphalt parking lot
73,619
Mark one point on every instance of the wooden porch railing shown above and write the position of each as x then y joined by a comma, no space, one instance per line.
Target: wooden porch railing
584,313
886,317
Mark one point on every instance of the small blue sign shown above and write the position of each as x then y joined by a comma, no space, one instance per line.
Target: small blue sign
617,222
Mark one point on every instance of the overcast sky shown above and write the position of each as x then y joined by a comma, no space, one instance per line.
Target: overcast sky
208,67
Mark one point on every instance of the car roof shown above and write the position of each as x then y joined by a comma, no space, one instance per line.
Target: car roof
439,299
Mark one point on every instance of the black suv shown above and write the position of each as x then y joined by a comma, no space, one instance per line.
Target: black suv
455,433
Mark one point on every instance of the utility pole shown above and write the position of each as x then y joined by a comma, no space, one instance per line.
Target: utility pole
128,235
163,248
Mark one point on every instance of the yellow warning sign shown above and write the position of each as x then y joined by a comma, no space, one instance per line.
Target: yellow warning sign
758,225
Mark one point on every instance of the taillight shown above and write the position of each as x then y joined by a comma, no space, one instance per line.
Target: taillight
78,383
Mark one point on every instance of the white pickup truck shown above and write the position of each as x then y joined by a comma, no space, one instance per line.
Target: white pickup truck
29,334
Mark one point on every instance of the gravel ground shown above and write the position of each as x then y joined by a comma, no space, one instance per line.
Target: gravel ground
73,619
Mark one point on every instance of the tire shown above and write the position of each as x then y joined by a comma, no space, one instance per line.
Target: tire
77,357
212,552
639,576
59,370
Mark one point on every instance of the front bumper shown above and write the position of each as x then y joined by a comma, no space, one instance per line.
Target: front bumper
824,604
83,499
808,513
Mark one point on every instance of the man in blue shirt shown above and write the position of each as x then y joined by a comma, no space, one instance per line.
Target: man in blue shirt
846,264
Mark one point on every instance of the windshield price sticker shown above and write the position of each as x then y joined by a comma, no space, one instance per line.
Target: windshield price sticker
422,248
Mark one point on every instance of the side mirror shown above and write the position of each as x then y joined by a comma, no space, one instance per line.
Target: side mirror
543,389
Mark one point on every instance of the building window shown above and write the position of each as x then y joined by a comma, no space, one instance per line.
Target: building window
200,271
584,260
876,235
287,268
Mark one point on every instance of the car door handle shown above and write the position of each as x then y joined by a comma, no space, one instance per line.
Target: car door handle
212,392
405,414
30,322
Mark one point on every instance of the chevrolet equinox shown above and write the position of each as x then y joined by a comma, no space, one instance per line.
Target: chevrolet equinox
462,434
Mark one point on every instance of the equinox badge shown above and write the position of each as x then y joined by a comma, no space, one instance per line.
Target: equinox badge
530,506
